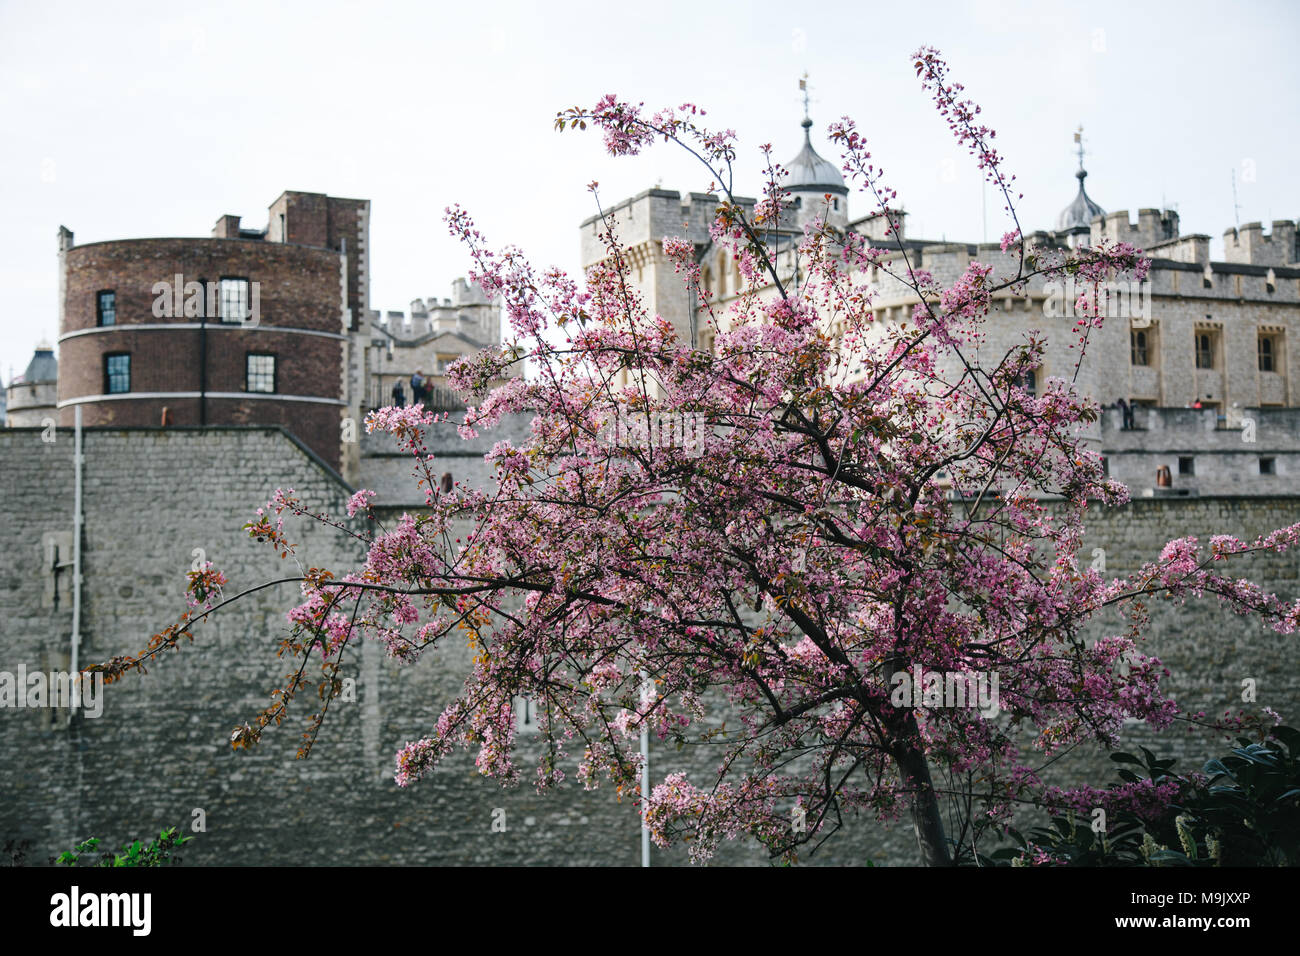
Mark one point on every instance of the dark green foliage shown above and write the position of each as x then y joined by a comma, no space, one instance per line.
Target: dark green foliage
1243,809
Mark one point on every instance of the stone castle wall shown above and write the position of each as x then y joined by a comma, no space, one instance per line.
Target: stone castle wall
161,748
1256,452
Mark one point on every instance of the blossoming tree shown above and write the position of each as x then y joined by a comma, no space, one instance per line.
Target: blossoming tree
858,515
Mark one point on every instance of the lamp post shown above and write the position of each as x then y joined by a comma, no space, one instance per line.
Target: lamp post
647,695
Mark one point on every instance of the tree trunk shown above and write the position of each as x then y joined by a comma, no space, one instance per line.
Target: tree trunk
927,821
914,769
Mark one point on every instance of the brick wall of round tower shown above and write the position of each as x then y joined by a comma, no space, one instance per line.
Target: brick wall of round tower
180,348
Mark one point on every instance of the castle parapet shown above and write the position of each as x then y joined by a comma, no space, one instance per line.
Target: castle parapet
1153,226
1249,245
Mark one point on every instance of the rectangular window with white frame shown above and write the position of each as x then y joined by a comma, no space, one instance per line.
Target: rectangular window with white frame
117,373
106,307
234,300
259,373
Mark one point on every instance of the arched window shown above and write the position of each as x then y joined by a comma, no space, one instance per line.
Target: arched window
1267,362
1204,350
1138,348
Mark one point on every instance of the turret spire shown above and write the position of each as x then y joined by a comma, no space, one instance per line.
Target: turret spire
1081,212
807,119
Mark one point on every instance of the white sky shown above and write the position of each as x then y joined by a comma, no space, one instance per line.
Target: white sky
133,120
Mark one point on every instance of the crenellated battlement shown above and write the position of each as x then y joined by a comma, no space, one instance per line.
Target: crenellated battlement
1153,227
1251,246
652,215
467,312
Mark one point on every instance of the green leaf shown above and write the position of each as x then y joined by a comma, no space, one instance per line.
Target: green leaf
1217,768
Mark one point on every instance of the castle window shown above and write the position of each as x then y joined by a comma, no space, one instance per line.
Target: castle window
1186,465
234,300
1267,353
1204,350
1138,347
259,373
1029,382
117,373
1268,466
106,307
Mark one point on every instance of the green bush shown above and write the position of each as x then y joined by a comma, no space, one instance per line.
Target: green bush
1243,809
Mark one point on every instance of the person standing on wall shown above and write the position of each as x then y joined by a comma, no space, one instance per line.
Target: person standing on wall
399,394
417,387
1126,411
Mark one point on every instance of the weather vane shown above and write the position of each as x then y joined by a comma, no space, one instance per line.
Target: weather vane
1078,138
803,86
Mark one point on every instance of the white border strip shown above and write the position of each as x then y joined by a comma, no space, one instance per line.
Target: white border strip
229,326
269,396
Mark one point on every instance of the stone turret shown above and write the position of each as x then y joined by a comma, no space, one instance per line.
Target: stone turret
31,397
1074,224
812,179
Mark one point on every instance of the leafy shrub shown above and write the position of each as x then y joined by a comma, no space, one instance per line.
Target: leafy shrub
1242,809
156,853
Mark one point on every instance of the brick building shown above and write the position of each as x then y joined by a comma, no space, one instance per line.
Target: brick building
245,327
